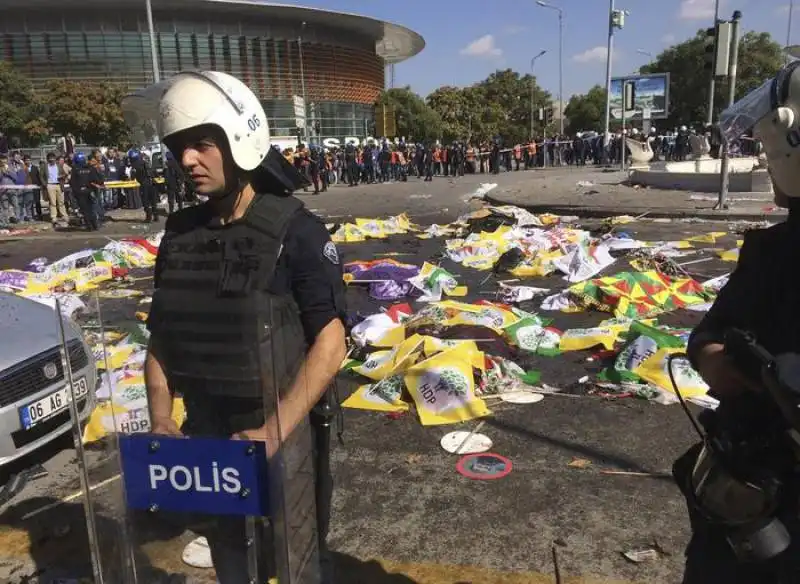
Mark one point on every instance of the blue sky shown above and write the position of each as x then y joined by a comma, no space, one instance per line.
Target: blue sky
469,39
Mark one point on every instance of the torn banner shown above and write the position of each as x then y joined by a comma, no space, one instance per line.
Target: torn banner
392,280
636,294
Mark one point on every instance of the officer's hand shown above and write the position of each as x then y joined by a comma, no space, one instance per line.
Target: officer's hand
257,435
721,375
166,427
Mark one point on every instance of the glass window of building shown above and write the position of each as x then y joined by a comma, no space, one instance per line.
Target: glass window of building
58,47
257,65
227,57
133,55
115,56
168,53
186,58
76,52
218,53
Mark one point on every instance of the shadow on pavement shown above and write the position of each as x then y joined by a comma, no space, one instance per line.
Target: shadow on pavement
56,543
620,462
350,570
53,546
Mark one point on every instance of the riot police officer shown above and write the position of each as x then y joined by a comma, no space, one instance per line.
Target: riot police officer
142,172
762,298
315,163
252,252
351,162
85,182
173,176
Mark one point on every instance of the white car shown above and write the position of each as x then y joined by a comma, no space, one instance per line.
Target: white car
34,396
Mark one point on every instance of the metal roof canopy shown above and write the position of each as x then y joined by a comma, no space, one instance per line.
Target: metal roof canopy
393,43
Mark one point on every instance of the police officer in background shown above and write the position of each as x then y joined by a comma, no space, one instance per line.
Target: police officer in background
762,298
351,160
142,172
221,265
314,165
173,176
86,182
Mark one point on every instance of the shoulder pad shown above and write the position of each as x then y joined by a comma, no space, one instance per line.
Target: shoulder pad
271,214
186,219
311,215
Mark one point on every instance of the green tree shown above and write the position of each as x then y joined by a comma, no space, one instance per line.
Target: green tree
508,96
91,112
21,112
587,111
453,107
502,104
415,120
760,58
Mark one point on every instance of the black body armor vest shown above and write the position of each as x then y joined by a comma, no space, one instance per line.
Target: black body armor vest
222,332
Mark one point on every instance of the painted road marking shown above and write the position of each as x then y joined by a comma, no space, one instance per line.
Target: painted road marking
15,544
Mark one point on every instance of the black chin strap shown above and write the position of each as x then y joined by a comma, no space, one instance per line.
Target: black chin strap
231,192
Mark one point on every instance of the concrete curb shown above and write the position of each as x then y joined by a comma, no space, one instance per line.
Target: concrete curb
603,212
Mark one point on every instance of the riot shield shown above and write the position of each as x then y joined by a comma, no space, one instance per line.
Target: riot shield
290,404
226,494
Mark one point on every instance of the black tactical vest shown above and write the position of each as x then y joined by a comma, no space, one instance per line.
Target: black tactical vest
223,334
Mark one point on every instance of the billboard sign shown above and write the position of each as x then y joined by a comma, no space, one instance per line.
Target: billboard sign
652,96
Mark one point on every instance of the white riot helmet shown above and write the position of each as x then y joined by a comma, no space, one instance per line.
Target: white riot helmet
198,98
773,113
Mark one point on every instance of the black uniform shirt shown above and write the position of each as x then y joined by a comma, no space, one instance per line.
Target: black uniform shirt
83,177
762,295
309,268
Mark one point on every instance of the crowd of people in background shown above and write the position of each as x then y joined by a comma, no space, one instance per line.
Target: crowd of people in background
58,190
382,161
52,190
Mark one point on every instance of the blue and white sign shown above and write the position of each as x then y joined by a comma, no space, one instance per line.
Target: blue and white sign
203,475
652,96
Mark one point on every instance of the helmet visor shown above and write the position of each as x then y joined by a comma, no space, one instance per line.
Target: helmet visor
184,101
745,113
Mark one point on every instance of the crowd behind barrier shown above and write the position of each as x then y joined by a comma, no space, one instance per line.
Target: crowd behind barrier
35,184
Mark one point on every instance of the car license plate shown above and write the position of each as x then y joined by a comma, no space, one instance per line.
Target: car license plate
48,406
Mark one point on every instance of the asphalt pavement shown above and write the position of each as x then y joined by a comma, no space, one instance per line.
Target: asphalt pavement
402,514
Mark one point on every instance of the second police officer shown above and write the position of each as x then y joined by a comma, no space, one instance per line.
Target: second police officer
761,298
142,172
252,249
85,181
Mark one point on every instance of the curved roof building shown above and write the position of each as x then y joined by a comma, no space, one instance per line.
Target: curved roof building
337,60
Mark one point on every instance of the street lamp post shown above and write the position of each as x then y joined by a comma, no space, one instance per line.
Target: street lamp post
712,82
616,19
303,83
609,55
544,4
789,28
153,49
533,63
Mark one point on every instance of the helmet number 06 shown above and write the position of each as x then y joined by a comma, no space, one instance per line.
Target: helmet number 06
253,123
